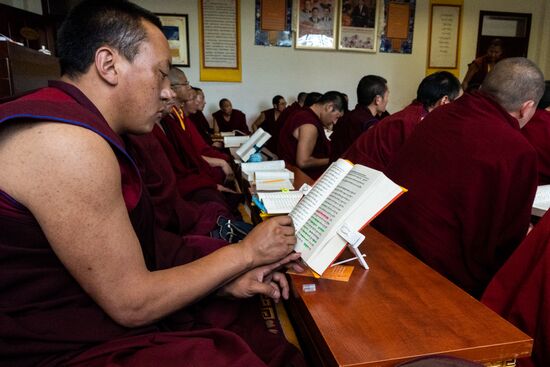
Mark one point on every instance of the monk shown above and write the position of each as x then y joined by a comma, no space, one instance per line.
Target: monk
303,142
537,131
199,119
79,279
376,147
228,119
520,291
268,121
211,155
480,67
372,99
184,137
471,178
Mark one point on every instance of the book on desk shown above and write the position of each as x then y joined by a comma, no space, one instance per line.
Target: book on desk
341,202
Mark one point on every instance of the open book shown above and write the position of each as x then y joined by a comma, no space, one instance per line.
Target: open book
542,201
346,194
253,144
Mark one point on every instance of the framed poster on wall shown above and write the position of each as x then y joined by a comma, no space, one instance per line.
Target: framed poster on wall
358,25
316,24
176,30
444,31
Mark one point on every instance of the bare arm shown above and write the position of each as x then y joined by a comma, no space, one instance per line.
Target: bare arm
69,178
307,138
218,162
258,122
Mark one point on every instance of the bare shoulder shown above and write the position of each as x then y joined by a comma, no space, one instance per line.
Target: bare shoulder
38,158
306,131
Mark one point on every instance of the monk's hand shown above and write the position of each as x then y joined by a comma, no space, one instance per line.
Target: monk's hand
228,171
222,188
269,242
265,280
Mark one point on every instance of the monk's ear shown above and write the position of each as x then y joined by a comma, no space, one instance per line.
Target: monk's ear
106,64
525,112
526,108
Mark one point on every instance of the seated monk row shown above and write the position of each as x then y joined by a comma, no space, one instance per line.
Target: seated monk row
86,281
471,178
377,146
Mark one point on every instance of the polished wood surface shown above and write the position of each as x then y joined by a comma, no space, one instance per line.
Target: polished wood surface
398,310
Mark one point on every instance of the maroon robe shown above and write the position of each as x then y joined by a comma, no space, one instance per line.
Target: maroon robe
520,292
377,146
182,140
172,212
269,125
290,110
537,131
47,319
347,130
237,121
200,145
202,125
471,178
288,144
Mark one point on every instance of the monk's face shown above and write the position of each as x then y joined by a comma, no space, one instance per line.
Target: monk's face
143,84
227,108
190,105
329,115
494,53
182,88
201,102
382,102
281,105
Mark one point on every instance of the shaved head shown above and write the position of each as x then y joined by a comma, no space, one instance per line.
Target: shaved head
514,81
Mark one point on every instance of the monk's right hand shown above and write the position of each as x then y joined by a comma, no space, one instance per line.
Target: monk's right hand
270,241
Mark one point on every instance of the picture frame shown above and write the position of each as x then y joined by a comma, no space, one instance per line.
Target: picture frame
316,24
176,30
358,25
445,20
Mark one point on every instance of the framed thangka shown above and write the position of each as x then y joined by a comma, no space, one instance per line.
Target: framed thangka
176,29
273,23
358,25
316,24
397,26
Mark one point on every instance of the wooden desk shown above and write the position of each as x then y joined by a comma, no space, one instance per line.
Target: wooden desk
398,310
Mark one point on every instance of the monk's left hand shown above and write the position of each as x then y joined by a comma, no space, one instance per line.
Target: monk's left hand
264,280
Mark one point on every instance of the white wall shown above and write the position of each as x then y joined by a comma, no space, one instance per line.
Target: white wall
268,71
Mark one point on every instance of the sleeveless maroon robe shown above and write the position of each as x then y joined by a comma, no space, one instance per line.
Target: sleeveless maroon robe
283,117
471,177
377,146
202,125
46,318
537,131
347,130
520,292
270,126
288,144
237,121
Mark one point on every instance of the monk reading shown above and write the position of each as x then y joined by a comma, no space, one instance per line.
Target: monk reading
228,119
80,282
303,142
471,178
376,147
